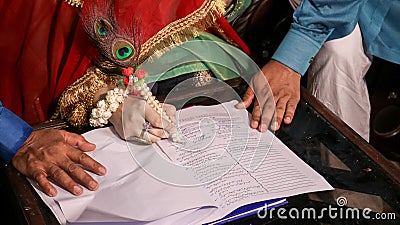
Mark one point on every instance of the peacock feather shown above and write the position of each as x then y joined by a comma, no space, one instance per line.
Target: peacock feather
119,45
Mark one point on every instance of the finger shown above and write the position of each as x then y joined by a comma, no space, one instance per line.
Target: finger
86,161
267,115
79,174
280,110
171,111
41,178
78,140
150,137
255,116
60,177
159,133
155,119
290,110
248,98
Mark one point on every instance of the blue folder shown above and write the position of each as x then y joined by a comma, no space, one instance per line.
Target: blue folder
250,209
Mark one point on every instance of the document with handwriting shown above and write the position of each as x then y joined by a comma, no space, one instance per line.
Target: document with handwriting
222,165
236,164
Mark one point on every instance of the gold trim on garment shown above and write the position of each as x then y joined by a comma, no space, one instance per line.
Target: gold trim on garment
76,3
184,29
76,101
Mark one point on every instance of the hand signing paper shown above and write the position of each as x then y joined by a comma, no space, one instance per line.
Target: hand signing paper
130,119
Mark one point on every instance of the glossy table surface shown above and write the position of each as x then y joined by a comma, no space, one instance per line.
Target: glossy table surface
362,177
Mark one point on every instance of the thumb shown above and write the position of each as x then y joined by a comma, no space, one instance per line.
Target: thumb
247,99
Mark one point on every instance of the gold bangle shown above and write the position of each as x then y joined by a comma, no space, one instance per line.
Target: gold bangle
76,101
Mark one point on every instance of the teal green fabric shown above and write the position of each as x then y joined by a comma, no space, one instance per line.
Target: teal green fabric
236,8
205,52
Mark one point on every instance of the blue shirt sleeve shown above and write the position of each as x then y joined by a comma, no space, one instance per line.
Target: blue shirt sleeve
13,133
314,23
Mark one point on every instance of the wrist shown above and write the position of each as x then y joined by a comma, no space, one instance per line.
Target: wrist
77,101
106,106
13,133
101,93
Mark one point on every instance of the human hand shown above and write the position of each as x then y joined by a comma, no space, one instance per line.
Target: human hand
58,155
284,84
129,121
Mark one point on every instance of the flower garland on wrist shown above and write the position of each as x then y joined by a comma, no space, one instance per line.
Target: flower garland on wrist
105,107
134,83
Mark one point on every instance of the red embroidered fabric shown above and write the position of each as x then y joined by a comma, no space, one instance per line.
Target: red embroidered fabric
44,48
38,59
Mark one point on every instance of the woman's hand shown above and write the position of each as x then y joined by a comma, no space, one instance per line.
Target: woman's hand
130,121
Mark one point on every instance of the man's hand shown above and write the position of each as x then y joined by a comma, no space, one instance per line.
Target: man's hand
59,156
285,86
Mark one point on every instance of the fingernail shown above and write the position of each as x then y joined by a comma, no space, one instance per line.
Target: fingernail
288,119
165,134
52,192
240,105
254,124
102,170
263,128
93,185
275,125
78,190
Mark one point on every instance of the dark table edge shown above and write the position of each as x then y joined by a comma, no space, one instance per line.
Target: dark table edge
26,204
349,133
24,194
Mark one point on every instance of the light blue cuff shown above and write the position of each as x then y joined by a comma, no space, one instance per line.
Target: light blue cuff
13,133
296,51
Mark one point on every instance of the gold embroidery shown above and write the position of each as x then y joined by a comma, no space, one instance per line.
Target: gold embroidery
184,29
76,101
76,3
202,78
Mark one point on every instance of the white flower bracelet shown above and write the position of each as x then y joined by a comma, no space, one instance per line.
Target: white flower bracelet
134,84
105,107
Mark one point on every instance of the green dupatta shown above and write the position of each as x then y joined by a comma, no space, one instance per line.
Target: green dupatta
205,52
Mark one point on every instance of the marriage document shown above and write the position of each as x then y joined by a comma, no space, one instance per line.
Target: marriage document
236,164
223,164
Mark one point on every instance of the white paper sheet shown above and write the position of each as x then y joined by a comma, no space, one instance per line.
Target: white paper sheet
244,165
260,166
126,193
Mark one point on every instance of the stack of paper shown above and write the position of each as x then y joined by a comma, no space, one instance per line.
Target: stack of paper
222,166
